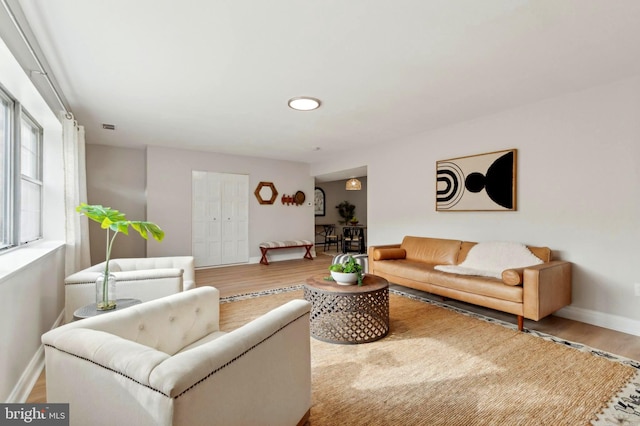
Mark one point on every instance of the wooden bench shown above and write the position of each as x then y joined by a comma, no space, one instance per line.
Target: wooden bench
274,245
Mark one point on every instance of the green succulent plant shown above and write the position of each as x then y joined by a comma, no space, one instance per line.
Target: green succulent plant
350,266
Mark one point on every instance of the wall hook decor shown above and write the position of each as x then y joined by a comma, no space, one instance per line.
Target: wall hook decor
297,199
287,199
266,193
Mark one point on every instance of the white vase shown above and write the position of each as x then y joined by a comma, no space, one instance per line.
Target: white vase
106,292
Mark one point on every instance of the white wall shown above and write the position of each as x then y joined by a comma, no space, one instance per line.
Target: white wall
31,277
31,302
169,198
116,177
578,191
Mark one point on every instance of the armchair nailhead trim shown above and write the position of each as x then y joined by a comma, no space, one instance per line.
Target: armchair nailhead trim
110,369
239,356
199,381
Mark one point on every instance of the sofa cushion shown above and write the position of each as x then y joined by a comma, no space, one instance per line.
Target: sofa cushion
490,287
431,250
512,276
389,253
409,269
422,272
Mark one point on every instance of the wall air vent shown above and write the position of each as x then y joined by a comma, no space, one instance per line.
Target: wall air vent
108,126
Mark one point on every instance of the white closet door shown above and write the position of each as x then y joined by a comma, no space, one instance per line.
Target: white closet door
235,219
220,218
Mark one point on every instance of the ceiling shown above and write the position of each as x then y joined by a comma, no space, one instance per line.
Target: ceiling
216,75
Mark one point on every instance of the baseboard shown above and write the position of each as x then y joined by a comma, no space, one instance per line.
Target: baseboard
30,375
613,322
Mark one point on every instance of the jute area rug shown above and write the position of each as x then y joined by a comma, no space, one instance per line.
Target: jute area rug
445,366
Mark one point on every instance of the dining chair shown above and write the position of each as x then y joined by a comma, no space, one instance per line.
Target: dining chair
352,239
332,238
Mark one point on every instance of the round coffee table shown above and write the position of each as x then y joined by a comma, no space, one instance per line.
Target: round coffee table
348,314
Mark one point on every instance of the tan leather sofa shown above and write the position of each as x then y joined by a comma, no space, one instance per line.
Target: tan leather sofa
531,292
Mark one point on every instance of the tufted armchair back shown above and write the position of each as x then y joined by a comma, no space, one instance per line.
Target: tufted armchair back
138,278
186,263
165,362
167,325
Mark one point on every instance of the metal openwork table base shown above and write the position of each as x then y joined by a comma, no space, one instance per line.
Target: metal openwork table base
348,314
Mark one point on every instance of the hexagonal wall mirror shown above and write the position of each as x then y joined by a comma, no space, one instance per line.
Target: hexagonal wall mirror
266,193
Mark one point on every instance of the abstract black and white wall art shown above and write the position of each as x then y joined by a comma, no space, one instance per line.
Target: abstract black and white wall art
477,182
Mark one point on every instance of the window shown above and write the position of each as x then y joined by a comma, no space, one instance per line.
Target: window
30,180
6,109
20,175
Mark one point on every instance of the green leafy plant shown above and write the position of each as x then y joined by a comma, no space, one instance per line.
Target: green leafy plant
346,210
116,223
350,266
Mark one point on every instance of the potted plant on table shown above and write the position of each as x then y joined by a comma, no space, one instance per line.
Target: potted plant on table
115,223
347,273
346,210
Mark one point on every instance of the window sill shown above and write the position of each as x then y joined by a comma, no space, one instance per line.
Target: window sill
21,257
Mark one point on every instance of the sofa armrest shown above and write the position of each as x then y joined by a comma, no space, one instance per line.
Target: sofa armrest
267,360
370,254
106,350
547,288
190,367
120,377
86,275
90,276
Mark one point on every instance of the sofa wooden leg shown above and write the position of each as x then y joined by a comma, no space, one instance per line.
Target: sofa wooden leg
520,322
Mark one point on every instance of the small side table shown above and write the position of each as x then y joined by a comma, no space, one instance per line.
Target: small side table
91,309
348,314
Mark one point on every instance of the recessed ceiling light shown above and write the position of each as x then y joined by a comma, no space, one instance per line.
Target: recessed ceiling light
304,103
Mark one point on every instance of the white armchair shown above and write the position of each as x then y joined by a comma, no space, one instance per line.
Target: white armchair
137,278
166,362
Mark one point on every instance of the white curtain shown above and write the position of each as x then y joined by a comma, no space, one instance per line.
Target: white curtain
75,189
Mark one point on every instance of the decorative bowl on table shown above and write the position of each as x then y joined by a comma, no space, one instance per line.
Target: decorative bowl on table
345,278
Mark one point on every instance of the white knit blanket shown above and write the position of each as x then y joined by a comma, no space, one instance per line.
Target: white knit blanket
491,258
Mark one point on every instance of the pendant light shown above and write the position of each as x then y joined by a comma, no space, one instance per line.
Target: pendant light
353,184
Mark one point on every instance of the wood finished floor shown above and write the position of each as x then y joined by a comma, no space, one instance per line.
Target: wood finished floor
241,279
